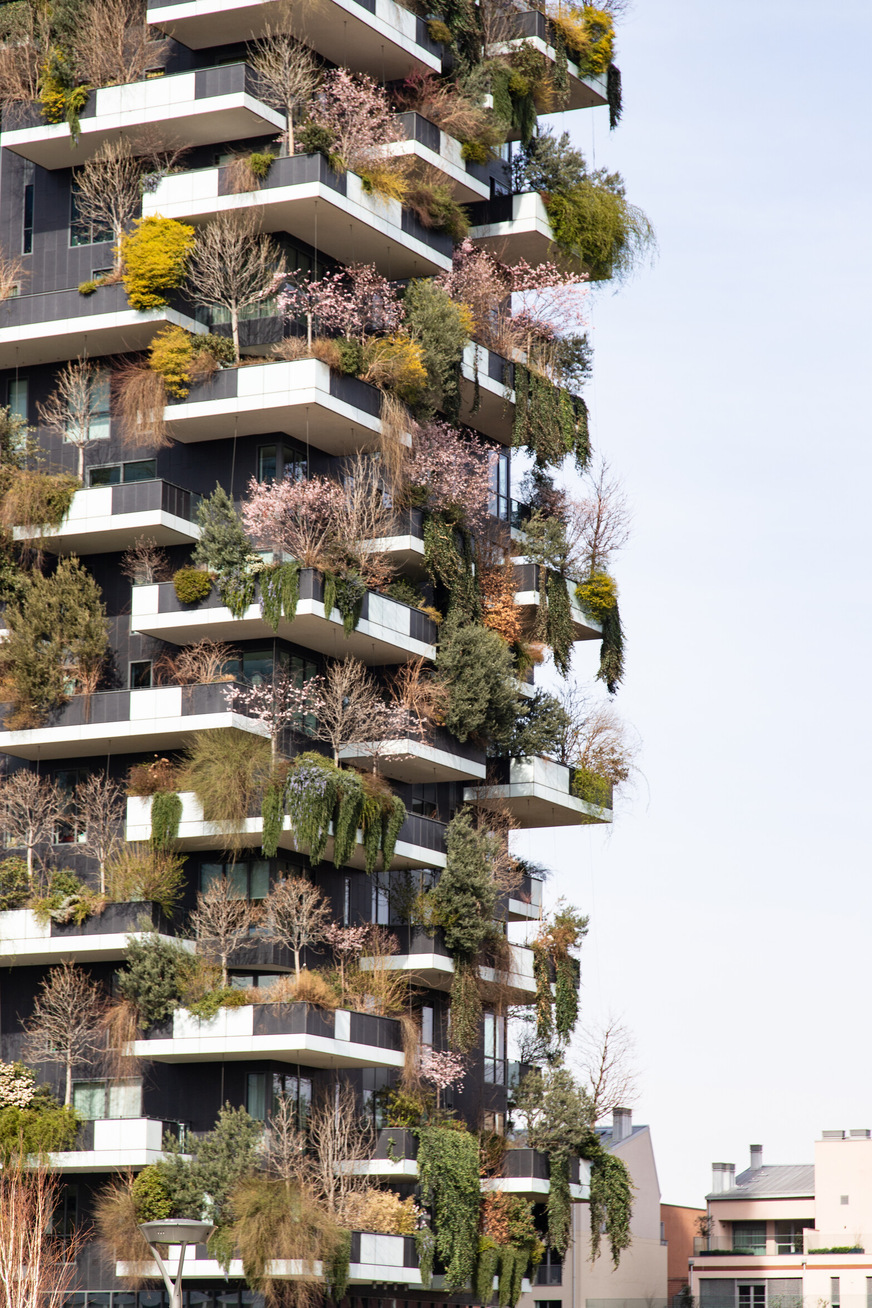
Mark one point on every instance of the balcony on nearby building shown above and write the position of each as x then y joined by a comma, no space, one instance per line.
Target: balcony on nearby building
375,1259
388,631
28,940
378,37
116,1144
526,1172
586,91
528,577
426,960
514,227
198,108
128,721
288,1033
109,519
487,393
304,399
439,757
420,843
58,325
332,212
437,150
538,792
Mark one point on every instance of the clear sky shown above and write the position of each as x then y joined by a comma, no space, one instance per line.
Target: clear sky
730,903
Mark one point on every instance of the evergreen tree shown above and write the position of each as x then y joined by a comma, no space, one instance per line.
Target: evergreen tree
223,545
475,665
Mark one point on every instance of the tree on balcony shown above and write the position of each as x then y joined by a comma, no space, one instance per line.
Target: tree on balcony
289,74
78,407
233,266
222,922
297,916
101,802
32,807
108,187
65,1025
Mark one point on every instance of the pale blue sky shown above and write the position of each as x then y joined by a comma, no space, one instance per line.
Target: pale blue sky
731,902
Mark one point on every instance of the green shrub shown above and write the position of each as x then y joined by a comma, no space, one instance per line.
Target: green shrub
474,152
88,288
151,1196
40,1129
260,162
166,814
14,884
443,328
155,256
350,356
312,138
37,499
597,596
220,347
475,666
151,978
406,592
223,546
191,585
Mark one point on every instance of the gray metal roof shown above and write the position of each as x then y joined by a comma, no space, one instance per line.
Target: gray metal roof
606,1138
792,1181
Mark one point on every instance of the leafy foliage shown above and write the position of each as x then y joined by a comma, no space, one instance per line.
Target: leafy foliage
223,546
155,258
319,794
166,814
151,978
42,1128
539,727
475,665
443,328
449,1179
465,895
191,585
548,420
14,883
611,1204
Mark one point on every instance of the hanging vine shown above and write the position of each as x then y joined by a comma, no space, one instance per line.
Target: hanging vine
452,569
448,1175
614,95
598,596
317,793
567,978
509,1245
559,632
345,593
237,589
465,1006
166,814
611,1204
549,421
552,956
559,1207
542,977
280,593
272,811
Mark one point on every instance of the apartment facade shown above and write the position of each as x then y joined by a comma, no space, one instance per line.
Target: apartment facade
789,1235
255,421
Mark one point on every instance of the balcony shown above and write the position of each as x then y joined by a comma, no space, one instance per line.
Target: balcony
492,410
303,398
25,940
585,91
526,1172
537,793
802,1243
429,144
375,1259
528,597
421,841
439,758
59,325
108,519
378,37
288,1033
395,1157
199,108
113,1144
525,903
388,632
128,721
334,214
514,227
428,963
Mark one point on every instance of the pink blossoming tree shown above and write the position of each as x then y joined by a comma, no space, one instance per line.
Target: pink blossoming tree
441,1069
358,112
297,517
453,471
354,302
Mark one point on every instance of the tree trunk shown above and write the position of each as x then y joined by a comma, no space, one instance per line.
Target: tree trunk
234,323
297,961
68,1094
82,462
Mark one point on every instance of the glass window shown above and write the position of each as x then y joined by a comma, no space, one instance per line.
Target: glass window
71,830
89,1099
426,1026
264,1090
494,1049
277,461
27,230
81,232
93,421
258,885
249,877
140,470
102,1099
499,504
752,1296
749,1237
125,1098
140,675
16,397
108,475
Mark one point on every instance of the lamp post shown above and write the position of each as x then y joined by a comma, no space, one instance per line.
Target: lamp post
174,1231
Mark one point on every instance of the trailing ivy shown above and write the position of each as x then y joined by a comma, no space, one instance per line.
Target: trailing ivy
280,593
425,1245
272,811
237,589
346,594
451,567
567,978
559,1205
598,596
614,95
542,977
318,793
449,1178
349,810
166,814
392,820
611,1204
559,632
465,1001
549,421
509,1244
310,797
338,1268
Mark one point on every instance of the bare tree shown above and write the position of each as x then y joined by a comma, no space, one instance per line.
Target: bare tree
32,807
233,265
101,801
298,915
146,562
22,54
288,72
222,923
197,665
65,1027
37,1266
74,406
351,710
113,44
108,186
598,526
340,1140
597,738
284,1145
607,1061
11,273
368,520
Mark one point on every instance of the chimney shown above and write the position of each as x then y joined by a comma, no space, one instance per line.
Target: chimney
723,1177
622,1123
756,1157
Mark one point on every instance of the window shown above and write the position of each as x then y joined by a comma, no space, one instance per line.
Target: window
16,397
499,504
140,675
27,225
427,1025
381,905
788,1236
101,1099
81,232
72,829
97,410
374,1083
835,1292
346,902
65,1217
495,1049
277,461
112,474
752,1296
749,1238
550,1270
869,1292
248,876
264,1089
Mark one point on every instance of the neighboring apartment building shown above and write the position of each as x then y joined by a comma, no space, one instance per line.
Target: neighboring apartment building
640,1279
790,1235
681,1226
275,415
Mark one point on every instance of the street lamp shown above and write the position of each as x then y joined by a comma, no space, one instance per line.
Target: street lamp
174,1231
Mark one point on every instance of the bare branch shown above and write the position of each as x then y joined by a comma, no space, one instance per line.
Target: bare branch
101,801
607,1061
222,923
289,74
65,1027
113,44
73,407
297,915
233,265
36,1265
32,806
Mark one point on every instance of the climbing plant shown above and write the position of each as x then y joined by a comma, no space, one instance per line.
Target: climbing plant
611,1204
345,593
449,560
509,1244
549,421
166,814
449,1178
280,592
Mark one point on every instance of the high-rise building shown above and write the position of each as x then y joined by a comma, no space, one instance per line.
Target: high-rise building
127,405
